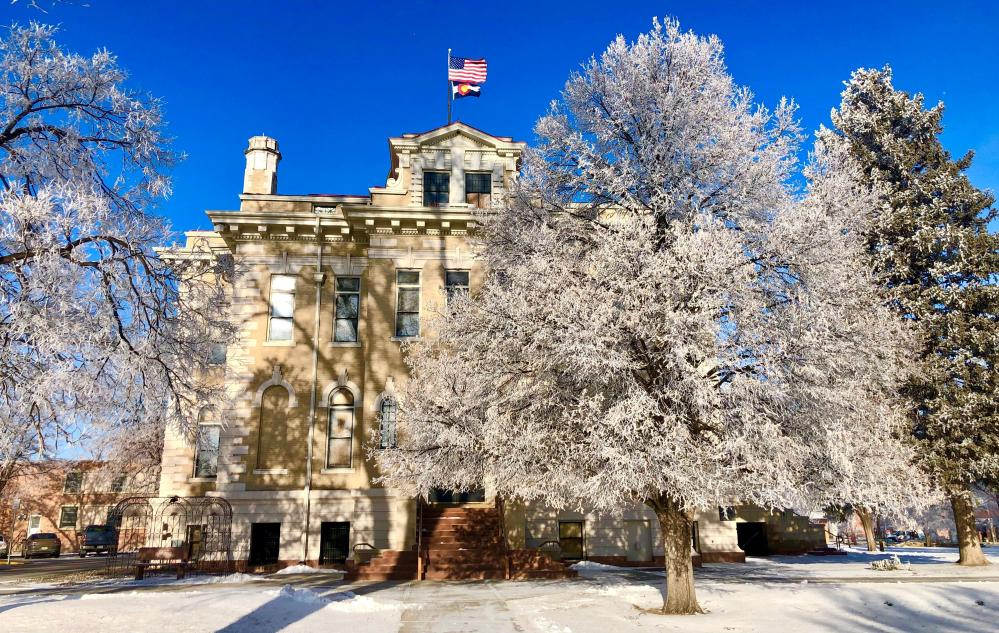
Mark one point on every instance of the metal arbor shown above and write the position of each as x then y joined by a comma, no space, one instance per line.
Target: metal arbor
200,526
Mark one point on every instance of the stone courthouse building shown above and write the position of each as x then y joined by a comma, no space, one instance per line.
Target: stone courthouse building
333,285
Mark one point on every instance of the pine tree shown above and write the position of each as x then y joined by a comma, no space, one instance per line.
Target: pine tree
931,248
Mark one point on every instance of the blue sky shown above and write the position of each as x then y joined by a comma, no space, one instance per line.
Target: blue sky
333,80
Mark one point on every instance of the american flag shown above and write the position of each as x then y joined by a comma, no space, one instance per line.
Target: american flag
466,70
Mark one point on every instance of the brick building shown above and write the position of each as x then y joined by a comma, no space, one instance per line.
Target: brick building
64,497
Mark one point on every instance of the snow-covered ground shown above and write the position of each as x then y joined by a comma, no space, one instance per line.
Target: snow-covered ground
780,593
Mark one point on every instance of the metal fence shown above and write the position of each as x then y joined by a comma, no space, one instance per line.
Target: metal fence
199,527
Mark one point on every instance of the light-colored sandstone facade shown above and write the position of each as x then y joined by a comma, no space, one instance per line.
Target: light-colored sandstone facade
291,451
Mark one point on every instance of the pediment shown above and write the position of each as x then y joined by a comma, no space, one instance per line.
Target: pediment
457,134
455,139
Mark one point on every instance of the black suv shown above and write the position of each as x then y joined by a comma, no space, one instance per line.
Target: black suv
99,538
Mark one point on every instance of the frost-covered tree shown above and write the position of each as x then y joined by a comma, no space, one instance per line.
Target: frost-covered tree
664,320
99,335
931,249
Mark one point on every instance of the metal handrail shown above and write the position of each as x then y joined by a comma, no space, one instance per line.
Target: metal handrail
368,545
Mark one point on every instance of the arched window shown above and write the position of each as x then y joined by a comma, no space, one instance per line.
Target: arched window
273,425
206,459
386,422
340,429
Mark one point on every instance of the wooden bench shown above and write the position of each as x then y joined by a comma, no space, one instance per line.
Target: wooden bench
161,558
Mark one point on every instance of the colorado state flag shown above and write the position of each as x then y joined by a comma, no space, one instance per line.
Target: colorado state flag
464,90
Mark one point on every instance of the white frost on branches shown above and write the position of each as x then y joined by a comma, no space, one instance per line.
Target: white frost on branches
664,316
100,337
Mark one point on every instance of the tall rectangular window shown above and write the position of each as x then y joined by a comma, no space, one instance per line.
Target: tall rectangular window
347,308
455,282
407,305
74,482
340,429
436,188
206,462
67,516
282,308
478,189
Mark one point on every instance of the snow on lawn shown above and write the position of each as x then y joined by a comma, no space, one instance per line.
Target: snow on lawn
305,569
589,565
215,609
803,607
924,563
800,594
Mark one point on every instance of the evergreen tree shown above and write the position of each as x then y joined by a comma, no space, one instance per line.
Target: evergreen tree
931,247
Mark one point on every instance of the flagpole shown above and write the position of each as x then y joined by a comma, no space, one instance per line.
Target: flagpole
449,91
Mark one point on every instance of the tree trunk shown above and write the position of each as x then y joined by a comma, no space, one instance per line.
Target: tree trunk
674,524
968,541
868,523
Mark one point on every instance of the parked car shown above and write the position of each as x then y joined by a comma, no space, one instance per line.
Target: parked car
42,544
4,547
99,538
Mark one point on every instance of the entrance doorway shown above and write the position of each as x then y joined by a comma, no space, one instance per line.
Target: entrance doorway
438,495
334,542
265,543
570,539
639,536
752,538
195,541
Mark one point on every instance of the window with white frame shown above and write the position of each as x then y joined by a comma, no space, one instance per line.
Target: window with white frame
386,423
455,283
282,308
347,309
407,305
340,429
206,460
68,516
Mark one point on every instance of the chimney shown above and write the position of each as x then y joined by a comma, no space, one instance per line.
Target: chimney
262,157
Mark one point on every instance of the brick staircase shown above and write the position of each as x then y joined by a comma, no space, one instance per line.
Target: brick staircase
461,543
387,565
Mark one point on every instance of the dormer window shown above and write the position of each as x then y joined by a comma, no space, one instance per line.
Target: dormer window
478,189
436,188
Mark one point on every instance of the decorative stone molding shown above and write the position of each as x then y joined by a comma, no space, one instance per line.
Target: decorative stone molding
342,382
386,394
276,379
